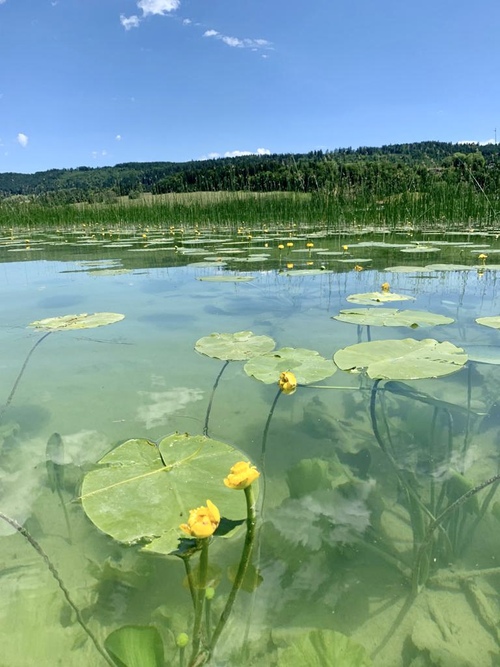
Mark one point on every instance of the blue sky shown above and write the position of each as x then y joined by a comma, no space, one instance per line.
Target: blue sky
98,82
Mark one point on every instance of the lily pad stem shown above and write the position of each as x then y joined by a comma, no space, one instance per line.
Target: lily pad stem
209,407
244,562
36,546
189,576
200,599
21,373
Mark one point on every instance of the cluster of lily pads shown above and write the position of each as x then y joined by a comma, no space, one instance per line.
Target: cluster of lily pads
182,470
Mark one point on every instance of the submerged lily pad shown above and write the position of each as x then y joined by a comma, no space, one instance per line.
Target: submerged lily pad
493,321
141,492
378,297
318,648
235,346
392,317
82,321
406,359
307,365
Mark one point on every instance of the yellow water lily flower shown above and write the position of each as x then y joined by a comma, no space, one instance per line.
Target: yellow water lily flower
287,382
309,245
281,246
345,248
483,257
289,265
202,522
385,287
289,245
242,474
358,267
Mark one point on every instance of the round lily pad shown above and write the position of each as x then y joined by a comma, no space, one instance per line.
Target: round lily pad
493,321
307,365
141,492
378,297
82,321
392,317
226,279
235,346
406,269
406,359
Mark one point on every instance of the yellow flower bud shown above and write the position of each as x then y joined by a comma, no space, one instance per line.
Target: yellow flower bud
287,382
202,522
182,640
281,246
241,475
289,245
345,248
385,287
309,245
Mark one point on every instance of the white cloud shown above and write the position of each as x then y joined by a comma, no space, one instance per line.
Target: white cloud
237,153
129,22
186,21
479,143
158,7
149,8
22,139
118,137
2,1
236,42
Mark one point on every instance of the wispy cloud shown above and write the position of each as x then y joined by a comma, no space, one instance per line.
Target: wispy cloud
118,137
22,139
148,8
2,2
237,153
238,43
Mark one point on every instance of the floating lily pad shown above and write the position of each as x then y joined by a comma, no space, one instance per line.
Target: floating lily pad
378,297
307,365
141,492
448,267
307,272
235,346
407,269
493,321
392,317
226,279
406,359
82,321
420,248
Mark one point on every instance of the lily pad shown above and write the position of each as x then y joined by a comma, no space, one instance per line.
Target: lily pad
406,359
226,279
141,492
307,272
378,297
406,269
493,321
307,365
392,317
82,321
136,646
234,347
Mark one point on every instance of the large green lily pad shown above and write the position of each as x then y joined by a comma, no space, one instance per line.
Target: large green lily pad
234,347
136,646
141,492
307,365
82,321
492,321
406,359
392,317
378,297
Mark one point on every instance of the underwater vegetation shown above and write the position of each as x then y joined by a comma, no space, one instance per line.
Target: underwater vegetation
373,544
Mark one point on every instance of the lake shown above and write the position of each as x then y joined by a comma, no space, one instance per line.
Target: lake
377,529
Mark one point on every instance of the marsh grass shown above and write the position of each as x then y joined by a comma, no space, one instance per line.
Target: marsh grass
446,206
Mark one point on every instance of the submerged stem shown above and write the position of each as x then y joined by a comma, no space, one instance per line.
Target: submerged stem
200,599
244,562
36,546
21,373
209,407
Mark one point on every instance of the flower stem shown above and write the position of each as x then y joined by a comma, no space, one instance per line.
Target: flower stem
244,562
200,598
189,575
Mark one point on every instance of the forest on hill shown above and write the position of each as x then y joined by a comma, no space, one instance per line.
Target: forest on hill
374,173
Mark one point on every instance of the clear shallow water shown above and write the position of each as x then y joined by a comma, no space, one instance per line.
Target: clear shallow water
336,541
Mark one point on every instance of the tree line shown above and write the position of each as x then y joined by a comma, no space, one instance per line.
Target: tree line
368,172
